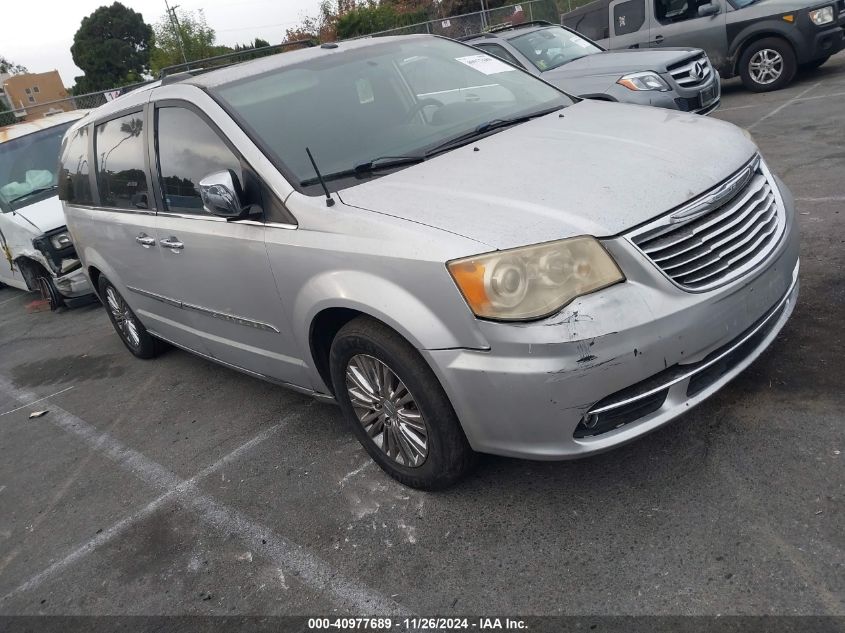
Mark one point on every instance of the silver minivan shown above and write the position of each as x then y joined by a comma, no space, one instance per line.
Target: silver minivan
488,266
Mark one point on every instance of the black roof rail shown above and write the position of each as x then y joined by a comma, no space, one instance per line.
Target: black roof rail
507,26
184,70
464,38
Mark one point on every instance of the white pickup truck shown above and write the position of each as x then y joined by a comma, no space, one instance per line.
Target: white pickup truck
36,250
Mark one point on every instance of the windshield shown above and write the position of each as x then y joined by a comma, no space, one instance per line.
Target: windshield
392,99
553,47
28,167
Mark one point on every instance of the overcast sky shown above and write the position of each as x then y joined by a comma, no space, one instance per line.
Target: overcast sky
39,35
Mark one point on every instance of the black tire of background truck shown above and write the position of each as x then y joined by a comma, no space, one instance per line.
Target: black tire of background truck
783,48
148,346
449,457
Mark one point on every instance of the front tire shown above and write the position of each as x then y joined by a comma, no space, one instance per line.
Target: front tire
768,64
130,330
396,407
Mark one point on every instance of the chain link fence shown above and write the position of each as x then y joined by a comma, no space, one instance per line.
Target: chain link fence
457,26
77,102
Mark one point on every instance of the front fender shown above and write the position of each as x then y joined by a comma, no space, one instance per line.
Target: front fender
757,30
418,321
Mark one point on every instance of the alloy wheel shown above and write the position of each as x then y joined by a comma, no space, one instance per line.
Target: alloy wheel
387,410
123,317
766,66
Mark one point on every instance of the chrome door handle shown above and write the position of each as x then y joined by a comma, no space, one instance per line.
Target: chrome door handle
145,240
657,40
172,243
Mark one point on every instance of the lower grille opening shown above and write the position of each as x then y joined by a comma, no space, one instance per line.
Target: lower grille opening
703,379
598,423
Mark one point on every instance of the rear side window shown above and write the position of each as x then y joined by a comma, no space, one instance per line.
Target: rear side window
74,185
121,170
501,52
628,17
188,151
670,11
591,21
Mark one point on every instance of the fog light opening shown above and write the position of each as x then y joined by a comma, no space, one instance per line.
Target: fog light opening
590,420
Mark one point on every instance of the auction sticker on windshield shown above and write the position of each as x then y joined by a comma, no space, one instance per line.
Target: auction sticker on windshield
485,64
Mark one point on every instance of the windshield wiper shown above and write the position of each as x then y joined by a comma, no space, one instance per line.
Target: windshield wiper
484,128
368,167
34,192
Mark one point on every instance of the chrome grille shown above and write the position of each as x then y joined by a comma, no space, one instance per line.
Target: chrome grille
692,72
719,236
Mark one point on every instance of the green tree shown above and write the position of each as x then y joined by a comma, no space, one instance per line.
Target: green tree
8,66
257,43
192,35
112,47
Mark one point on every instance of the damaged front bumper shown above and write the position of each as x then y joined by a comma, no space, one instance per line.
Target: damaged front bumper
616,364
73,285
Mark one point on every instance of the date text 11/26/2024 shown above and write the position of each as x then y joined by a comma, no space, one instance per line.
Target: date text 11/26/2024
417,623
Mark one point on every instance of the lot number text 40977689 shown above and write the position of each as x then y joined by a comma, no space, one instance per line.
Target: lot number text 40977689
418,623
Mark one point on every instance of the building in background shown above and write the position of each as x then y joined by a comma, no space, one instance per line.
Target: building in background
28,93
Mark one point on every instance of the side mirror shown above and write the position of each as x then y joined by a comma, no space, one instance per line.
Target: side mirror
222,195
711,8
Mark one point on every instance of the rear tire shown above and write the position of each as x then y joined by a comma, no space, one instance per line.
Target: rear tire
401,414
130,330
767,64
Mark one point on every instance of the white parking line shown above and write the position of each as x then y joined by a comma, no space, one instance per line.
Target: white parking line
783,105
24,406
760,105
125,523
310,569
827,199
5,301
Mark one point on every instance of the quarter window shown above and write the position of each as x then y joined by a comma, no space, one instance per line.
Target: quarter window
121,172
74,185
628,17
591,20
188,151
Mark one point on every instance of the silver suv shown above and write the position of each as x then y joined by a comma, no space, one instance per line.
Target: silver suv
463,257
675,78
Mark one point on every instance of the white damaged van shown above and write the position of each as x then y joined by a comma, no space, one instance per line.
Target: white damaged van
36,250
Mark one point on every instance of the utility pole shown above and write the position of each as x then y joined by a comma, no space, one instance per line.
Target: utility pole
174,22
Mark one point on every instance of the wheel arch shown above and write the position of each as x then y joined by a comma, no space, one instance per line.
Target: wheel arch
329,301
752,35
29,267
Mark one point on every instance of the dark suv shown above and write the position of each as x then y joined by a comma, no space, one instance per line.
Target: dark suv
763,41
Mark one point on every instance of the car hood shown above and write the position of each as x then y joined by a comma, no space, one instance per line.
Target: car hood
620,62
44,215
600,169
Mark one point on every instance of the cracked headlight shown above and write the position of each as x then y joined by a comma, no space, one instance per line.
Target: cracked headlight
643,81
822,16
534,281
61,240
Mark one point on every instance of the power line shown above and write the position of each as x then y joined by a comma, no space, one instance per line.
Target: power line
174,22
